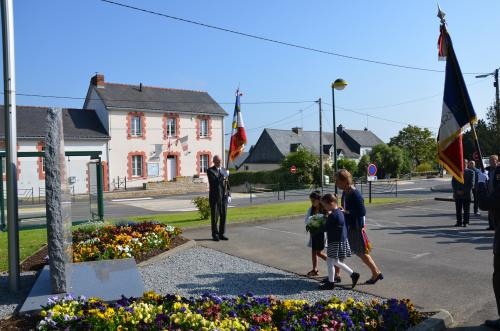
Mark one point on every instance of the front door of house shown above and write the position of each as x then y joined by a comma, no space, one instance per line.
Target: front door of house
171,168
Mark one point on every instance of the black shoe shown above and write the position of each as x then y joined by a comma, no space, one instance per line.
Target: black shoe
477,214
458,225
489,228
337,279
327,286
222,237
372,281
215,237
465,225
494,324
355,278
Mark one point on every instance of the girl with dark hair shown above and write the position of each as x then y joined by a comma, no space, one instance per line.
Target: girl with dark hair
354,211
338,245
316,239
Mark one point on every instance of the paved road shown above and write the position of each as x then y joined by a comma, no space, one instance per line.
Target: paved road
422,256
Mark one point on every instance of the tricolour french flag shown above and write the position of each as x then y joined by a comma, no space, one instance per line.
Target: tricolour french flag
457,112
238,134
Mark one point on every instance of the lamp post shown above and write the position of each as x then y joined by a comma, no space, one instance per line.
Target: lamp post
338,84
497,94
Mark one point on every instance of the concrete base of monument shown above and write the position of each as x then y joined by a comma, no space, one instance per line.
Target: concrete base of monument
108,280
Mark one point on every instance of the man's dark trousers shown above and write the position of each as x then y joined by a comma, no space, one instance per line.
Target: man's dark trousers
218,211
474,196
462,204
496,258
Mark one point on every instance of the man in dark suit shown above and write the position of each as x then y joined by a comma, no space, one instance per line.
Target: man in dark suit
494,179
491,169
218,198
462,196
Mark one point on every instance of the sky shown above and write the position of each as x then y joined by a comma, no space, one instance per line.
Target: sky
60,44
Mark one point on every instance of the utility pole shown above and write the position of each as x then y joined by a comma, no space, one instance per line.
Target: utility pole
320,145
9,82
497,101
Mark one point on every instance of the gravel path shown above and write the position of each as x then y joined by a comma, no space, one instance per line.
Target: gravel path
199,270
8,301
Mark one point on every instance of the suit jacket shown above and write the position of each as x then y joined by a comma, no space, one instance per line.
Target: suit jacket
463,191
218,187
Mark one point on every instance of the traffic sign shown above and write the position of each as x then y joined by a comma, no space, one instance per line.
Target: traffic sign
371,178
475,156
372,169
293,169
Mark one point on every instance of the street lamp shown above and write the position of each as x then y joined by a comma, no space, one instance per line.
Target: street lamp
338,84
497,94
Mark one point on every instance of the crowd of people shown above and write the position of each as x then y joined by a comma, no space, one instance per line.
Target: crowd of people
345,233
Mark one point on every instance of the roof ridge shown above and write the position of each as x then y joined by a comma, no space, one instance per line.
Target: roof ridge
155,87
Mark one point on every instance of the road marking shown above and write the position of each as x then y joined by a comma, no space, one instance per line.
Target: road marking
288,232
413,189
188,209
427,209
413,255
418,256
132,199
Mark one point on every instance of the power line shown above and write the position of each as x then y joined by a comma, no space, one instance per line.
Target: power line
317,50
153,101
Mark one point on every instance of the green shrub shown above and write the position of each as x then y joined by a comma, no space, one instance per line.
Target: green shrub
424,167
203,207
261,177
349,165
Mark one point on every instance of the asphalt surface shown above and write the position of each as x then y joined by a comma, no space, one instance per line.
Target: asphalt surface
421,254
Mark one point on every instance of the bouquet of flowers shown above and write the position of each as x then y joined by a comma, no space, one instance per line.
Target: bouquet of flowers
314,223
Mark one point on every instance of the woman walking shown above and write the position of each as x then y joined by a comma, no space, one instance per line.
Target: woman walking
354,210
338,245
316,239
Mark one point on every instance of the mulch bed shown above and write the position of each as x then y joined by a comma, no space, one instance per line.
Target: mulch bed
36,263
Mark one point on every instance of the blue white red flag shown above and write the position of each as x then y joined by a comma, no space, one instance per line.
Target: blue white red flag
238,134
457,112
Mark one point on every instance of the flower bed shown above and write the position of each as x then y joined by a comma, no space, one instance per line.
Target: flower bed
209,312
121,241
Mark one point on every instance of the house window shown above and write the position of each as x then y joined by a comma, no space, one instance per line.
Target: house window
204,163
135,126
137,170
203,128
171,127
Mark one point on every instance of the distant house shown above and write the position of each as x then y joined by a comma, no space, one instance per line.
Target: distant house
273,145
82,130
157,134
236,164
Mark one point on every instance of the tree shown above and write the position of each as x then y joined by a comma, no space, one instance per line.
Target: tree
307,165
419,143
487,134
349,165
388,159
363,166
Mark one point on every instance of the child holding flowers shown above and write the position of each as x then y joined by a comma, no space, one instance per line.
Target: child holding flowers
317,238
338,245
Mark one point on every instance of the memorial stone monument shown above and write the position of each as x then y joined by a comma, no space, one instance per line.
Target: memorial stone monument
58,203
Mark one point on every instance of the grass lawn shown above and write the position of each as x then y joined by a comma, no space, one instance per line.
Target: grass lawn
32,240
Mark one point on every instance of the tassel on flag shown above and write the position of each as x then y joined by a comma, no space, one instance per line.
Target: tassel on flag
457,112
238,134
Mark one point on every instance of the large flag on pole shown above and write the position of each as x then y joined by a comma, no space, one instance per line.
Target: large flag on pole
457,112
238,135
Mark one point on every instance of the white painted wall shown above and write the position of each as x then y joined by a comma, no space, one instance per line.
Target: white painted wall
77,166
120,146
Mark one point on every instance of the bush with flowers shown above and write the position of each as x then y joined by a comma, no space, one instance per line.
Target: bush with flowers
210,312
121,241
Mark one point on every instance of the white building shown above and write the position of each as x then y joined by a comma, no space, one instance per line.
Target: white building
83,131
156,134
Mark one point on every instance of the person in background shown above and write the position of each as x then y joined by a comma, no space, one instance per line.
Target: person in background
476,171
462,196
219,196
316,240
491,170
494,180
338,245
354,210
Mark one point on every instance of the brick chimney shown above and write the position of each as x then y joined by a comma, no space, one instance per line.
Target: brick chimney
97,80
340,129
297,130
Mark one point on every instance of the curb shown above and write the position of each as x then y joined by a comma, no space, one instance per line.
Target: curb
437,322
189,244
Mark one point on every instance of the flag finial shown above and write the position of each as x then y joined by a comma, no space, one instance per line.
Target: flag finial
441,14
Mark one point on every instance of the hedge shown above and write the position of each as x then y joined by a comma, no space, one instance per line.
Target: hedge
262,177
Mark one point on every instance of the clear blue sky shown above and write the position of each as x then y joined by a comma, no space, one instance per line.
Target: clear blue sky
61,44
